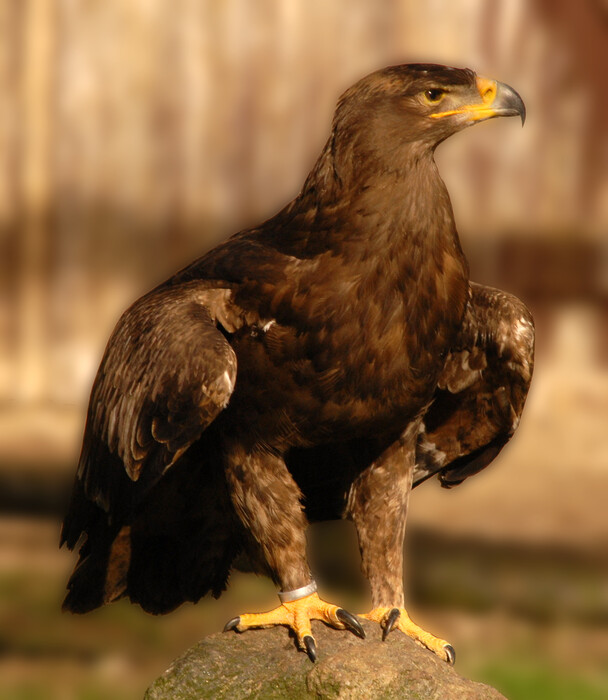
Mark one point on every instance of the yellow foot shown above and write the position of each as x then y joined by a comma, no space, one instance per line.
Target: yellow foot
297,614
397,618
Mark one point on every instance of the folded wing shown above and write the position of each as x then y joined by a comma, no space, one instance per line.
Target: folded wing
167,372
482,390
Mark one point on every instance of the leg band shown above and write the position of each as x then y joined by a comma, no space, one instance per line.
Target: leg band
297,593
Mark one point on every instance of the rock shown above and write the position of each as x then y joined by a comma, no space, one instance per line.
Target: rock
265,664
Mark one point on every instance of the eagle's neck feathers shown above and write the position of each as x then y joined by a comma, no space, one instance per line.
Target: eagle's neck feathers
397,211
376,255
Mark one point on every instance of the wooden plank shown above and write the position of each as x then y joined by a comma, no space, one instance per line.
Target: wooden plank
35,190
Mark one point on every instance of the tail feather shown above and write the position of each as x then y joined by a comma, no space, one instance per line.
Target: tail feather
178,547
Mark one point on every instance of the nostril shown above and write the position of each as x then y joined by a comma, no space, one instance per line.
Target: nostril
487,89
488,94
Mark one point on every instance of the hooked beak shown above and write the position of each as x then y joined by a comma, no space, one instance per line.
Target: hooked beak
496,100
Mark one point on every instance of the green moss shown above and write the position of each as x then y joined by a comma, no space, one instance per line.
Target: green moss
41,691
531,682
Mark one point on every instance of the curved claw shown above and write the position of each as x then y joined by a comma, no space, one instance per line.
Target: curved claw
450,653
350,622
392,618
232,624
311,648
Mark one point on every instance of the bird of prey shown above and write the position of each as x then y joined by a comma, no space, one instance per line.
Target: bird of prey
314,367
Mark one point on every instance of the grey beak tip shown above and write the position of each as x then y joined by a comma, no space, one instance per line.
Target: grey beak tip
510,103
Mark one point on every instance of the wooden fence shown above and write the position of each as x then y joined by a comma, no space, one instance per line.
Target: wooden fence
133,133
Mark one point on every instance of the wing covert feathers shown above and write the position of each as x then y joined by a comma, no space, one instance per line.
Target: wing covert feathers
481,391
166,374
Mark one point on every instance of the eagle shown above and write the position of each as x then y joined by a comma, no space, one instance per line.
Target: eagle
315,367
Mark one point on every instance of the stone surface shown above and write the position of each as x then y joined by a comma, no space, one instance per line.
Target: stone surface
265,664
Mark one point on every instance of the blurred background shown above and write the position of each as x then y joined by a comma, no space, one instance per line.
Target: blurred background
134,134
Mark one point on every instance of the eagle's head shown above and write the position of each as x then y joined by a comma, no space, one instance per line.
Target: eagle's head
410,109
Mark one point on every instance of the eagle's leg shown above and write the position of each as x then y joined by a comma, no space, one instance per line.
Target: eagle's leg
267,500
377,504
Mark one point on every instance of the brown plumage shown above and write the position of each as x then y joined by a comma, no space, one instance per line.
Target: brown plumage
313,367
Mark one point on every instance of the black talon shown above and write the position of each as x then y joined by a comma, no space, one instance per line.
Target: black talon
311,648
450,653
393,616
232,624
350,622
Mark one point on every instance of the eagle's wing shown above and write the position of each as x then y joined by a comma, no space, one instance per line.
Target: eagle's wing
167,372
482,389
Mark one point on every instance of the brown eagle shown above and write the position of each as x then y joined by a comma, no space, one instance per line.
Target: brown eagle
317,366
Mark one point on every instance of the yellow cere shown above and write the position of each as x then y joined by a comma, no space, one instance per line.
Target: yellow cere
487,91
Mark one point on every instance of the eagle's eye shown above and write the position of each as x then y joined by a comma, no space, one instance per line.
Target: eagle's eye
433,95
